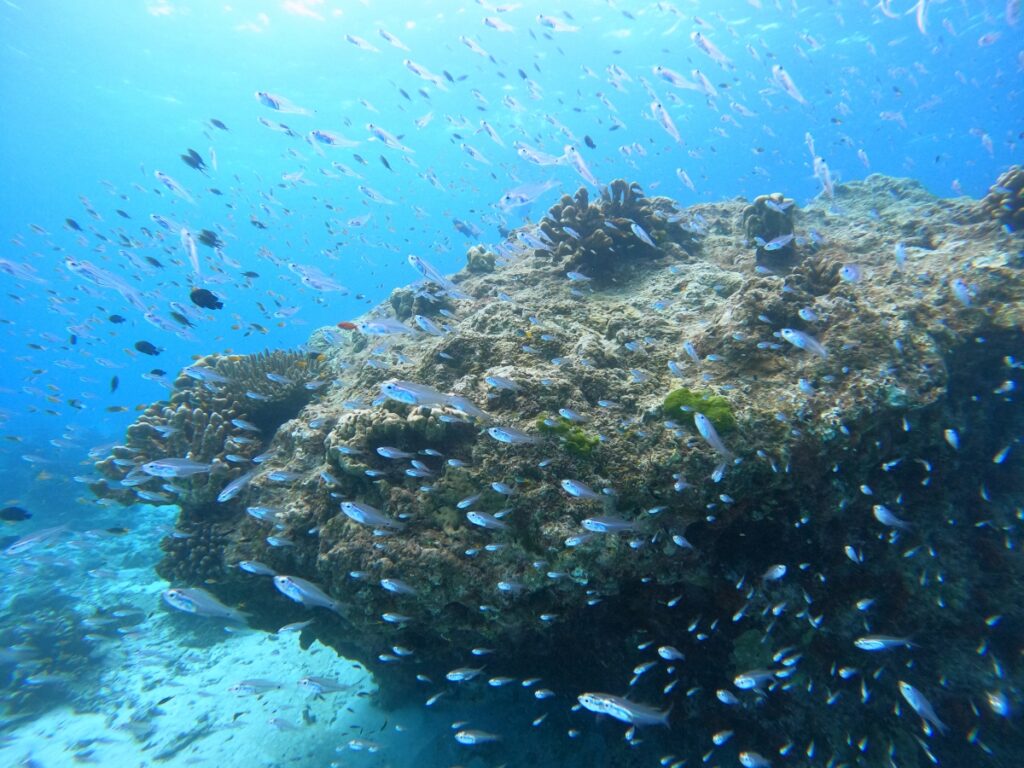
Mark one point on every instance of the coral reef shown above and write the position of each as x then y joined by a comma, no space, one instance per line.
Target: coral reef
606,238
479,260
1005,199
767,219
224,411
859,379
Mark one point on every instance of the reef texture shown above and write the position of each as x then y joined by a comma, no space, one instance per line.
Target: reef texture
917,302
767,218
225,414
1005,199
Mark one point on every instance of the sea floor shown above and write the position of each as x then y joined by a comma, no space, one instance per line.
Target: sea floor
159,692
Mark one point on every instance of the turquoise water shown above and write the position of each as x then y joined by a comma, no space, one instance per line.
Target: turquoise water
100,96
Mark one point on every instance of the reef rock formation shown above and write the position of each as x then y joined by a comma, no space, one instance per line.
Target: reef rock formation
855,388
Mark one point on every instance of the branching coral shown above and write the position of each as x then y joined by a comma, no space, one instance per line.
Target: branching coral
602,238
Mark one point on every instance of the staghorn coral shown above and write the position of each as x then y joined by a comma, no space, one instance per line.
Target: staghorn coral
768,217
1005,199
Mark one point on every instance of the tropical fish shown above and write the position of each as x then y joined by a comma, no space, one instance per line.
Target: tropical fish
199,602
306,593
174,467
623,709
280,104
173,186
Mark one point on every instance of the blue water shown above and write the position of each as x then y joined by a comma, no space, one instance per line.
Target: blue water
97,96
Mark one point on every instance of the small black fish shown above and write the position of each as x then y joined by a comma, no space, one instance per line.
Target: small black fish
116,319
386,163
359,159
589,142
14,514
201,297
210,238
447,76
72,224
164,700
152,260
194,160
158,372
217,124
72,339
523,75
120,531
114,382
123,214
250,274
147,349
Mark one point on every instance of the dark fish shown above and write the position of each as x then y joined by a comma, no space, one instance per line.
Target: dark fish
182,320
119,531
467,229
117,319
209,238
194,160
152,260
147,349
589,142
114,381
72,339
72,224
386,163
447,76
201,297
158,372
217,124
123,214
165,699
523,75
359,159
14,514
250,274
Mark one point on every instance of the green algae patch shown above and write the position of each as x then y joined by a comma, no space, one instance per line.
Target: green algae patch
577,441
715,407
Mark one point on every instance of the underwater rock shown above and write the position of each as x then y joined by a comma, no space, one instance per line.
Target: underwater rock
847,374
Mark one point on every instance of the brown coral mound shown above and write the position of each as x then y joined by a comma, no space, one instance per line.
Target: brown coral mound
224,414
1005,199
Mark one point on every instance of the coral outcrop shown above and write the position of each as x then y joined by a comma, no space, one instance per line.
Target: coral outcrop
1005,199
867,376
224,411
